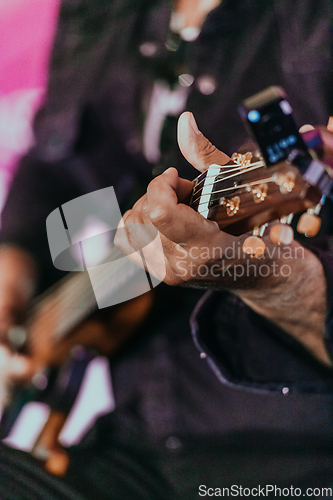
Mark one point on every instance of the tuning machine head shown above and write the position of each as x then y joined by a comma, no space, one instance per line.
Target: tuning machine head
282,233
254,245
309,222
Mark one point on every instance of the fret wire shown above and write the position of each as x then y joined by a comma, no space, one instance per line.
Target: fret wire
196,185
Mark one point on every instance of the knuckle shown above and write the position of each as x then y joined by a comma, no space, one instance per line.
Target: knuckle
145,210
140,202
131,217
208,149
126,216
155,182
159,216
153,186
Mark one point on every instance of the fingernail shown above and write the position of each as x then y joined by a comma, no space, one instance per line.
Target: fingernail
194,125
306,128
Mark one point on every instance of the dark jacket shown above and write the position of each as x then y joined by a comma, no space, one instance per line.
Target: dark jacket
89,136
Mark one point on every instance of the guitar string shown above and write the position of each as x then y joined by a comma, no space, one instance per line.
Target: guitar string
68,281
69,323
203,180
228,177
241,170
70,320
71,288
41,315
207,176
73,293
254,183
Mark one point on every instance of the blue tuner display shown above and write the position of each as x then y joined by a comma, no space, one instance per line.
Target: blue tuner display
253,116
273,127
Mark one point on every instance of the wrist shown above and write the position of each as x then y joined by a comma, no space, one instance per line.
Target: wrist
297,302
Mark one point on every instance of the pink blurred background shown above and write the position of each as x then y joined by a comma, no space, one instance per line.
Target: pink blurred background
26,34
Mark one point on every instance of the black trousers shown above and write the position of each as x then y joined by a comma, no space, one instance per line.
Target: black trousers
130,471
93,475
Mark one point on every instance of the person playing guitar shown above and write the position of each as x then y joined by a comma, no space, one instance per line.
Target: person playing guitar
260,409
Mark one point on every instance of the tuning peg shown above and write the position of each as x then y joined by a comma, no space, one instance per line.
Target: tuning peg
282,232
253,245
309,222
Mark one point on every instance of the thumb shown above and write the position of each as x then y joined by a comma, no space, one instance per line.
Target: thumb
195,147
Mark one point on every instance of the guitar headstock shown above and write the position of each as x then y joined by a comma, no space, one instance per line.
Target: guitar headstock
245,194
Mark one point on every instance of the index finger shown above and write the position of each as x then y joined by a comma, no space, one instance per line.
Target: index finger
178,222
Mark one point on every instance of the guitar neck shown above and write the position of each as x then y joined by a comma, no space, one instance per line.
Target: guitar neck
245,193
72,299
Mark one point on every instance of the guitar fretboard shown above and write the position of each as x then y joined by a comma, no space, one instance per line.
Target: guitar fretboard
74,298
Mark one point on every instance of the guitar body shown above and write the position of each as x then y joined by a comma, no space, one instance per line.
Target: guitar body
106,330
